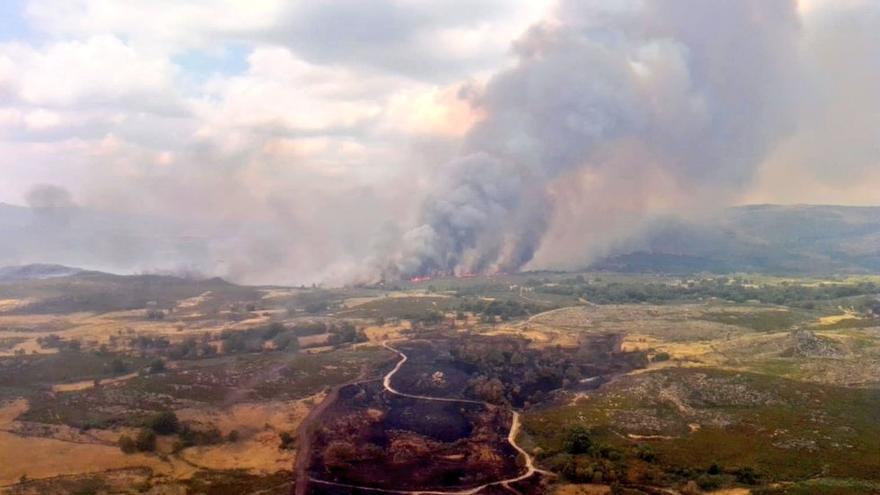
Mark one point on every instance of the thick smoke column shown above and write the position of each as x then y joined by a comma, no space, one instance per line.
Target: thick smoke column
701,88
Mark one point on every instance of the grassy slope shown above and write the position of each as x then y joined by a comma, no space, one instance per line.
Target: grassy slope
785,429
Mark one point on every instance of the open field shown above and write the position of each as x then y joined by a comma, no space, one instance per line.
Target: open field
75,381
684,390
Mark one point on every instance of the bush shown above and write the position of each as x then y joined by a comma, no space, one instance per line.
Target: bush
287,441
127,444
118,367
233,436
165,423
202,436
709,482
578,441
157,366
316,307
273,330
146,441
660,357
155,315
747,476
645,453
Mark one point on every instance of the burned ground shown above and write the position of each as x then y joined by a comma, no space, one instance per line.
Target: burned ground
372,438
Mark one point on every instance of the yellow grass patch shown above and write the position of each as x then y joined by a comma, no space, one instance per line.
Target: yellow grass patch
582,489
381,333
258,454
37,457
192,302
10,304
87,384
69,454
30,346
11,410
831,320
253,417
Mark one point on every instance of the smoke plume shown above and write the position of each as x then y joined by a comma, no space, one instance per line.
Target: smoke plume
687,93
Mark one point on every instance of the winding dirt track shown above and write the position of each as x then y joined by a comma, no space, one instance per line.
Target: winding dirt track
511,438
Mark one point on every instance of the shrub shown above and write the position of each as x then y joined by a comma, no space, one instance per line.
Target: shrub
203,436
709,482
645,453
155,314
165,423
118,367
287,441
578,441
127,444
157,366
660,357
747,476
146,441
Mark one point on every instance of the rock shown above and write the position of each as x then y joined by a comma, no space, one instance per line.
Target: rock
807,344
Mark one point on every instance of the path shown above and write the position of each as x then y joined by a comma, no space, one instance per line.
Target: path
515,427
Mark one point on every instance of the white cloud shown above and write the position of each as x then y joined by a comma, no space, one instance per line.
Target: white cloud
170,25
286,95
99,70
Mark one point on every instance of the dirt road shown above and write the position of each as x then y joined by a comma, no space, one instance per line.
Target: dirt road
511,438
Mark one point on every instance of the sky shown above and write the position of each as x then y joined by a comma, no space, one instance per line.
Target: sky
303,128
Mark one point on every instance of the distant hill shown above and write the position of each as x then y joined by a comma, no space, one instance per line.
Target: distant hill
35,272
113,241
56,289
802,239
795,240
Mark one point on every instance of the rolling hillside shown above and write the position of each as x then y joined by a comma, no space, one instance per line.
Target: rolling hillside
762,238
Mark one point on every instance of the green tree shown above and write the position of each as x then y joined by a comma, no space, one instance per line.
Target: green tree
578,441
165,423
127,444
146,440
157,366
118,367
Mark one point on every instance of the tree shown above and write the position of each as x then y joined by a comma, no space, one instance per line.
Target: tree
232,436
660,357
155,314
165,423
578,441
118,367
273,330
146,441
287,441
157,366
127,444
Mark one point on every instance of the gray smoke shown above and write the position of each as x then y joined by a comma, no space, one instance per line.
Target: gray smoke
49,197
693,92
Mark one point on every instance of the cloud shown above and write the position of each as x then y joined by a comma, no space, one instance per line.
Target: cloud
308,140
98,71
418,38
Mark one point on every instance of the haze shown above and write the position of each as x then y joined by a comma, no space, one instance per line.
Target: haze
292,142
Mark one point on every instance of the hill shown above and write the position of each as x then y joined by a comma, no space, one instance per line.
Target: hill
35,272
801,239
55,289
